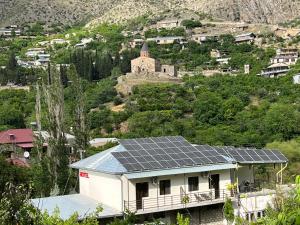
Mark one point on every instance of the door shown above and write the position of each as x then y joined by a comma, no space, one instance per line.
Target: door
142,190
214,183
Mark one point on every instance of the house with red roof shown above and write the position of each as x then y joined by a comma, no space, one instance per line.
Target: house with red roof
22,138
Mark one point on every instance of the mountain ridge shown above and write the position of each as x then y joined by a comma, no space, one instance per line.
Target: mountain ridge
117,11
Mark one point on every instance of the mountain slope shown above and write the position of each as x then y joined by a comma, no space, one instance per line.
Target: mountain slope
72,11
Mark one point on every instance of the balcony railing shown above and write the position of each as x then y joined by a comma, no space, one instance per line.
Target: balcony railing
169,202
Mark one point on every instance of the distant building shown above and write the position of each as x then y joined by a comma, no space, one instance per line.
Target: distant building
246,68
168,40
201,38
168,24
275,70
84,42
34,52
296,79
146,65
288,56
136,42
9,31
97,142
58,41
245,38
22,138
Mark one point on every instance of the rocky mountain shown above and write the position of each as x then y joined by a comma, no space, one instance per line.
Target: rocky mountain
74,11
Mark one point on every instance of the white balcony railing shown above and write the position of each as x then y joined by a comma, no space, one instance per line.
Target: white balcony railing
169,202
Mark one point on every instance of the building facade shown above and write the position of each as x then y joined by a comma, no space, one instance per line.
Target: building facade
158,177
145,65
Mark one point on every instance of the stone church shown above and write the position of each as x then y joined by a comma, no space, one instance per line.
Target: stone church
145,65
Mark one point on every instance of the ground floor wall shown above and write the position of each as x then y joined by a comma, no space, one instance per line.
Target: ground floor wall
207,215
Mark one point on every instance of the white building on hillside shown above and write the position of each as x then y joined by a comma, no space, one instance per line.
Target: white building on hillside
158,177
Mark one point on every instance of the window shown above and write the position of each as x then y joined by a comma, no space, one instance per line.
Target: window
259,214
193,183
165,187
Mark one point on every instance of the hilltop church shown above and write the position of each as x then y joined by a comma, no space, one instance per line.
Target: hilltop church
145,69
145,65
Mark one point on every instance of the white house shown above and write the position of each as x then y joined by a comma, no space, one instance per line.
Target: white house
168,24
201,38
168,40
275,70
245,38
288,56
157,177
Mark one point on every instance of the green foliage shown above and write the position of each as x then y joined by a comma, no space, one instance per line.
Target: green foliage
189,24
228,210
181,220
15,106
99,93
287,209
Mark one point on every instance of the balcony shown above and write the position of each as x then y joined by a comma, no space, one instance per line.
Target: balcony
173,202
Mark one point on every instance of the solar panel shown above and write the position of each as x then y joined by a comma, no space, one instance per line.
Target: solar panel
144,154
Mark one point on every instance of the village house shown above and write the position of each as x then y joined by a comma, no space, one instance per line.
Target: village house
168,24
221,57
245,38
136,42
34,52
17,138
9,31
275,70
157,177
201,38
84,42
25,139
288,56
98,142
168,40
59,41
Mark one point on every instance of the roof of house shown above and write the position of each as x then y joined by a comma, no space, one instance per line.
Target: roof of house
276,65
70,204
157,154
16,136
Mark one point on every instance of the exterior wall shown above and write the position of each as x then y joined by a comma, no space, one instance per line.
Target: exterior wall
104,188
169,69
168,24
253,207
178,182
142,65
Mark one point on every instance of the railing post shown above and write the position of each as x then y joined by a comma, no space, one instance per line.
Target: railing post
172,201
143,207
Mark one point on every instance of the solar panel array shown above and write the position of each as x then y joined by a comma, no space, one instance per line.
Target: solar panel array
252,155
144,154
163,153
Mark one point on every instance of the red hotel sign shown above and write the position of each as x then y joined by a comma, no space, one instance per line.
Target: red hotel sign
84,174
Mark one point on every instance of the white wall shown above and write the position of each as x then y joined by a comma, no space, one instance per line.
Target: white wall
102,187
253,205
177,181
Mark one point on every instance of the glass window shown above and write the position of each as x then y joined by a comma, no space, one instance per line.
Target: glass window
165,187
193,183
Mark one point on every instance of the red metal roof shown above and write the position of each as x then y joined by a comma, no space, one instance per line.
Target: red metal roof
16,136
